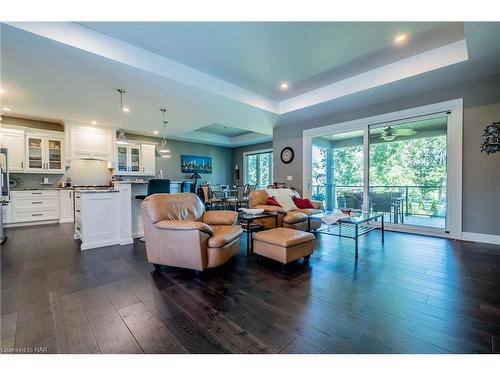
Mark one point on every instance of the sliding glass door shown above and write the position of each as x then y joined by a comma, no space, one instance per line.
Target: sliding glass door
409,170
258,168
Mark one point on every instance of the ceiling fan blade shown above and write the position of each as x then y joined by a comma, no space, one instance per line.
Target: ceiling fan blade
405,131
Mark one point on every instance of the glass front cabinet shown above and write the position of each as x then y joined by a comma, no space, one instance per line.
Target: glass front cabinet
128,159
44,154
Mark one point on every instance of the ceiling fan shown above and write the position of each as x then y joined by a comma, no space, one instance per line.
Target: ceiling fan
389,133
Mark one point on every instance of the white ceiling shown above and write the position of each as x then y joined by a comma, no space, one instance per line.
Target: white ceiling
260,55
209,74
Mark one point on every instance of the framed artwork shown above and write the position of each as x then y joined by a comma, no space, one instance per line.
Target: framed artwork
196,164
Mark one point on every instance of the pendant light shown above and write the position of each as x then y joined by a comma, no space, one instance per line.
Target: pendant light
121,140
164,151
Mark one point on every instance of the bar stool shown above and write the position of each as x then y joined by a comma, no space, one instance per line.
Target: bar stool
155,186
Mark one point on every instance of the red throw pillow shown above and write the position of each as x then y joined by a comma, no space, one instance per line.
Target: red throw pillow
272,202
302,203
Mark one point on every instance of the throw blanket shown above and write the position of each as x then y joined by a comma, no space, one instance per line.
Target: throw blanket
333,218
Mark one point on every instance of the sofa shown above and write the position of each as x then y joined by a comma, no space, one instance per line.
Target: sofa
178,232
295,219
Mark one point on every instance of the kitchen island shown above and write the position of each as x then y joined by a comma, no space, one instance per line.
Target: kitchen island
97,218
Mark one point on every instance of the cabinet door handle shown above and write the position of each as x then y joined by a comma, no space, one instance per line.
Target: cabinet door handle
70,194
22,164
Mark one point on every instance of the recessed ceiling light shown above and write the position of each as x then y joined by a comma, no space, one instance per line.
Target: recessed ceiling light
155,131
283,85
2,91
6,109
126,109
400,38
94,122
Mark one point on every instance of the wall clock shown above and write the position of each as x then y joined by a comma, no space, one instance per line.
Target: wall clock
287,155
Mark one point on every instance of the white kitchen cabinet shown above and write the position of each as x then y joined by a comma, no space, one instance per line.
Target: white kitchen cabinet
128,160
66,211
97,218
14,140
44,153
148,157
86,142
125,212
35,205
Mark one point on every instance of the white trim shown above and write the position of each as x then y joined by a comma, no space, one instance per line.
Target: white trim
411,66
481,237
454,156
95,244
30,223
63,221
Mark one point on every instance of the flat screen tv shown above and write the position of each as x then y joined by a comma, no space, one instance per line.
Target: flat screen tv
196,164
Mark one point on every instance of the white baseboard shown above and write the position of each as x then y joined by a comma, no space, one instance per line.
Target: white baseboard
480,237
62,221
30,223
126,241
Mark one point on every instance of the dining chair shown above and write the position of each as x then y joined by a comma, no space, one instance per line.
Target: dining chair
217,199
238,199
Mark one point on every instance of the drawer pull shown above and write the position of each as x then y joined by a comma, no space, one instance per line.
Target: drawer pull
36,214
36,193
36,202
77,210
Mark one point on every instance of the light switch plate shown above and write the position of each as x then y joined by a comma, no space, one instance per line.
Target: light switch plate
289,178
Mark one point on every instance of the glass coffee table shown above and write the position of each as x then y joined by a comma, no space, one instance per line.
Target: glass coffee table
246,222
352,227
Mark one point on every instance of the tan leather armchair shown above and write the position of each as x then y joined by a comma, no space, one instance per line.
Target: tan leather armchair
295,219
179,233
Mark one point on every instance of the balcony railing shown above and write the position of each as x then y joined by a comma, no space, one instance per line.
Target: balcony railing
411,200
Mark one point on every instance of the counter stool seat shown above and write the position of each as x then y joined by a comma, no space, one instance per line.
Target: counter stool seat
283,244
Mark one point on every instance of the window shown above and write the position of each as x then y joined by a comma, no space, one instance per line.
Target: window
258,168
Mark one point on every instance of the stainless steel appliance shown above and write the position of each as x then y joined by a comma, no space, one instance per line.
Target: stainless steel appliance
4,189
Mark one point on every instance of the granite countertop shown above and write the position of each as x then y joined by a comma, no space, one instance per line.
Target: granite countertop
130,182
39,188
93,191
143,182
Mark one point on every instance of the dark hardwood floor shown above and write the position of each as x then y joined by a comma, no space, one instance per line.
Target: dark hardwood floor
413,295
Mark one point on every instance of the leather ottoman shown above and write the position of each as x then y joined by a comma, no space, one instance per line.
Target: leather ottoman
283,244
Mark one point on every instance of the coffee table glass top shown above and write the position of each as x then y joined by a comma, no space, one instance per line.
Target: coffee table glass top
263,215
356,217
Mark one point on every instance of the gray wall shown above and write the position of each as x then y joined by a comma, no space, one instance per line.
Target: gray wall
222,159
238,157
481,173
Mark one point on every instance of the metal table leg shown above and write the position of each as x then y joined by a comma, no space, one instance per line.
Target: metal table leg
248,237
382,227
356,239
